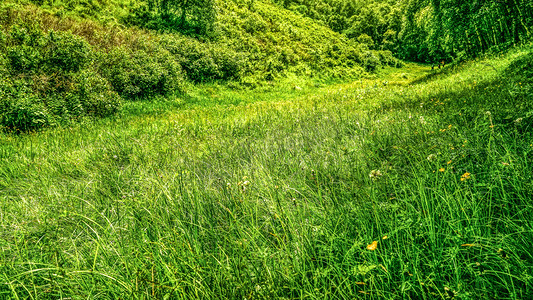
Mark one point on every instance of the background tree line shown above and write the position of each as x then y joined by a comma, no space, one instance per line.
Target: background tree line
425,30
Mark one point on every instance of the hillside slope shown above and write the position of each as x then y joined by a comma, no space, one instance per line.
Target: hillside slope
55,69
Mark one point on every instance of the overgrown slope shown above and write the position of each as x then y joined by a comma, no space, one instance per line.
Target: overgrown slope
56,69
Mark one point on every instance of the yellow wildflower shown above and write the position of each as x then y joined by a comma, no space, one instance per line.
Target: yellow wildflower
373,246
465,176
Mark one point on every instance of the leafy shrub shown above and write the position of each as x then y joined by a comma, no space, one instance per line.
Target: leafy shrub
29,50
96,94
204,62
387,58
254,23
26,34
87,94
22,46
196,18
370,61
366,39
20,110
26,114
49,79
24,59
141,73
66,51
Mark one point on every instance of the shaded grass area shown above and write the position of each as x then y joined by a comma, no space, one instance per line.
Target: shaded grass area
282,197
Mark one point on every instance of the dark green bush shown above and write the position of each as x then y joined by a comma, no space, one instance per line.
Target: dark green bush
194,18
386,57
24,59
86,94
47,79
29,50
66,51
23,45
20,110
96,94
142,73
203,62
26,34
371,61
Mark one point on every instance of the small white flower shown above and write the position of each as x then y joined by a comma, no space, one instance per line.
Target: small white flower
375,174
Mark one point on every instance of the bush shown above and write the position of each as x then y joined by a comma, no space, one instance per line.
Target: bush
370,61
141,73
24,59
196,18
67,52
87,95
23,46
20,110
203,62
96,95
388,59
29,51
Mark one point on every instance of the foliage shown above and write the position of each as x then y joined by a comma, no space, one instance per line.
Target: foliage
204,62
46,79
20,110
426,30
187,16
141,73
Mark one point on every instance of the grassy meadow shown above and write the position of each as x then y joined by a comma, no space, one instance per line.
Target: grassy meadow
410,183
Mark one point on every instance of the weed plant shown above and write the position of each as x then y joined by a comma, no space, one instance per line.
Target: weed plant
371,189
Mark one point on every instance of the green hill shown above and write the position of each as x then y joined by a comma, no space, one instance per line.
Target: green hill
59,63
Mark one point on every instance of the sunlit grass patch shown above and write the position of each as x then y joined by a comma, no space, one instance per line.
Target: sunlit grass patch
338,191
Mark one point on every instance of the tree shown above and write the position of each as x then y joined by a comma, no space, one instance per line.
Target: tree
199,15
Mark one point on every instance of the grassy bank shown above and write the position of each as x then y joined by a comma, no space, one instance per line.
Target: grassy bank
374,189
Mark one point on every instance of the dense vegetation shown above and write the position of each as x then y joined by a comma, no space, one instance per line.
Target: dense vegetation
426,30
265,150
55,70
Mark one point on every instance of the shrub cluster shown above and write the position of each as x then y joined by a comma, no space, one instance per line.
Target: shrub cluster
45,80
206,61
56,77
278,42
141,73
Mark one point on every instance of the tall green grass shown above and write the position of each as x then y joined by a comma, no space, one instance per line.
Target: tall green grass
282,196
